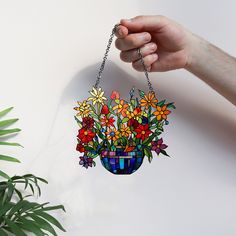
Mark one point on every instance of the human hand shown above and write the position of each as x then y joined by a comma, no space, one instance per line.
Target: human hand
164,44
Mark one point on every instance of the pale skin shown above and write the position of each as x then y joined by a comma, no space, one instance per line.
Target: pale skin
166,45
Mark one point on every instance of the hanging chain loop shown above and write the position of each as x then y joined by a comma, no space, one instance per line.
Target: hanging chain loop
101,69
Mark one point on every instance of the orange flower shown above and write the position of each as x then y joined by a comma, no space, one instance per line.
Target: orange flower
121,107
112,134
161,112
136,113
149,100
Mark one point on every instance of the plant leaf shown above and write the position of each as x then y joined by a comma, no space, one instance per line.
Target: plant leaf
4,123
4,112
9,131
4,175
15,229
10,144
30,226
43,224
50,219
8,158
3,233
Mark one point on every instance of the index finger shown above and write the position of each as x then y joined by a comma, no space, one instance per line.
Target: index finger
121,32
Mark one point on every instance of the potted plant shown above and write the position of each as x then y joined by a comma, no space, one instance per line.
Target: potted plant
19,215
121,131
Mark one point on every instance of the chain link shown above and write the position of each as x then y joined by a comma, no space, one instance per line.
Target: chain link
101,69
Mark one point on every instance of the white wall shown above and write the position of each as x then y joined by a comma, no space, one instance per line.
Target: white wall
49,55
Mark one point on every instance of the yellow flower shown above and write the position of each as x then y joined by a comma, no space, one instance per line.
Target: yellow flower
121,107
161,112
83,109
149,100
97,96
125,131
112,134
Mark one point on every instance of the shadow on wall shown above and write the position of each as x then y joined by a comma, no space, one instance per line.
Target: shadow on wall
191,114
218,128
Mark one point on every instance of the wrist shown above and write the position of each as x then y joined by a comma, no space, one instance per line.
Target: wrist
196,49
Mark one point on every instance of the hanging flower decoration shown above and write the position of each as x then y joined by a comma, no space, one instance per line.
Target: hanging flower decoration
113,126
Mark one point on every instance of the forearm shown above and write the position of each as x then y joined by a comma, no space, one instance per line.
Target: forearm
212,65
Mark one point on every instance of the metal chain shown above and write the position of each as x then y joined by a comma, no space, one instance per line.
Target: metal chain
99,76
145,71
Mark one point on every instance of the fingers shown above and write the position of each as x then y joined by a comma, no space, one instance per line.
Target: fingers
148,61
121,31
145,23
132,55
132,41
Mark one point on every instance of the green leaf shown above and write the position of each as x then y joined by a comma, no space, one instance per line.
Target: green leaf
161,103
7,122
10,144
5,208
4,112
171,105
8,158
9,131
50,219
43,224
4,175
164,152
141,93
3,233
52,208
30,226
15,229
148,153
125,120
17,207
93,109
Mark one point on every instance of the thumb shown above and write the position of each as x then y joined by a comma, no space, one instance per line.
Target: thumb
145,23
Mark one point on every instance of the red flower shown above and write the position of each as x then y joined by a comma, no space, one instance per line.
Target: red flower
115,95
80,147
105,121
87,122
133,123
86,135
142,131
105,110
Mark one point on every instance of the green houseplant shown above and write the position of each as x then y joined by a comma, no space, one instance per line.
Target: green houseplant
19,215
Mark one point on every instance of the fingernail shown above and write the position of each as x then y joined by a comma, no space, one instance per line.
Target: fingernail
145,36
152,46
120,32
154,56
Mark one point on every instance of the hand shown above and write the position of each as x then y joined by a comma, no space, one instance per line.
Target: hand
164,44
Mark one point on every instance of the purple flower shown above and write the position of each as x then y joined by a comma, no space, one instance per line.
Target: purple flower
158,145
86,161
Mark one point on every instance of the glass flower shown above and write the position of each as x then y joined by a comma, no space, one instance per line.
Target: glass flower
112,134
157,146
97,96
105,121
121,107
143,131
125,130
161,112
83,108
86,161
149,100
86,135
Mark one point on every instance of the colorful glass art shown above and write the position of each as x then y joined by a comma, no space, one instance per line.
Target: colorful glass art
121,131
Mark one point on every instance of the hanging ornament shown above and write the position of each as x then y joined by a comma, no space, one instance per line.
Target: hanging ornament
122,132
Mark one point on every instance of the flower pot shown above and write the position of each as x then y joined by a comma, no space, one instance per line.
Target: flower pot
120,162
